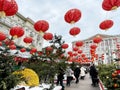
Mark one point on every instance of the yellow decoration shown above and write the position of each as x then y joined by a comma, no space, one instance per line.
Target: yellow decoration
31,77
2,14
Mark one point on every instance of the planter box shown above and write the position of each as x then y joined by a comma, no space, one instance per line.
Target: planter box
101,86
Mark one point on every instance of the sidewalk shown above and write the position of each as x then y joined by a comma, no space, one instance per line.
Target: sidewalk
82,85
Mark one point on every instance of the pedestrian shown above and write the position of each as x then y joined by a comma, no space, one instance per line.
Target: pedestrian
82,73
60,77
77,73
94,75
69,73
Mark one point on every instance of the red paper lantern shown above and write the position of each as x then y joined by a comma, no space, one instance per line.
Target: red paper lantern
28,40
49,48
23,50
93,46
79,51
2,36
12,47
0,43
64,46
41,26
8,7
109,5
72,16
97,39
75,48
16,32
70,52
33,50
48,36
9,42
79,43
106,24
74,31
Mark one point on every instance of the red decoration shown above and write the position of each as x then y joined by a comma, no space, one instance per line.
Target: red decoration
109,5
64,46
33,50
28,39
16,32
49,48
74,31
106,24
93,46
2,36
41,26
75,48
12,47
0,43
8,7
97,39
23,50
72,16
79,51
9,42
48,36
79,43
70,52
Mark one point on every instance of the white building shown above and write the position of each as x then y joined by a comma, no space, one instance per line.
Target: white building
19,20
107,47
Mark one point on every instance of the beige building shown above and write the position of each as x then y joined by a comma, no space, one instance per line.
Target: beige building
19,20
107,47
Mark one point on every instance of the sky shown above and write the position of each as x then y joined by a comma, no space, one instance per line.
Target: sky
53,11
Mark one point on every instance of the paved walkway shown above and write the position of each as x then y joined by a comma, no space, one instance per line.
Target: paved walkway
82,85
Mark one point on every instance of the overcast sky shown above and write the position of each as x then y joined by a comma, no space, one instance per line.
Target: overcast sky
53,11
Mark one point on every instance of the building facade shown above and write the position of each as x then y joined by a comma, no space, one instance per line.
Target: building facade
27,24
106,49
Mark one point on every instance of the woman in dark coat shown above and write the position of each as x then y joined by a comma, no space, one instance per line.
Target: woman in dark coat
77,73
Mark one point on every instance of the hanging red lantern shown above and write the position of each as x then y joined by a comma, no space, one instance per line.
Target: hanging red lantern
2,36
41,26
74,31
72,16
106,24
0,43
79,43
28,40
109,5
8,8
97,39
79,51
16,32
12,47
23,50
69,52
9,42
93,46
49,48
33,50
64,46
48,36
75,48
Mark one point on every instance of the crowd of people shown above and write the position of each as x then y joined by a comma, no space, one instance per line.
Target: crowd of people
79,72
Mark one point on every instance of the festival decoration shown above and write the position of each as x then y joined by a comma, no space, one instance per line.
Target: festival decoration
28,40
79,43
8,8
74,31
97,39
75,48
48,36
106,24
49,48
0,43
22,50
72,16
64,46
93,46
109,5
12,47
41,26
16,32
2,36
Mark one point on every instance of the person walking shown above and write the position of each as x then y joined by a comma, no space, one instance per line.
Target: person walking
60,77
69,73
94,75
77,73
82,73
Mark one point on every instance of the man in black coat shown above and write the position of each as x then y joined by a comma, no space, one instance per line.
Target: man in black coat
94,75
77,73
